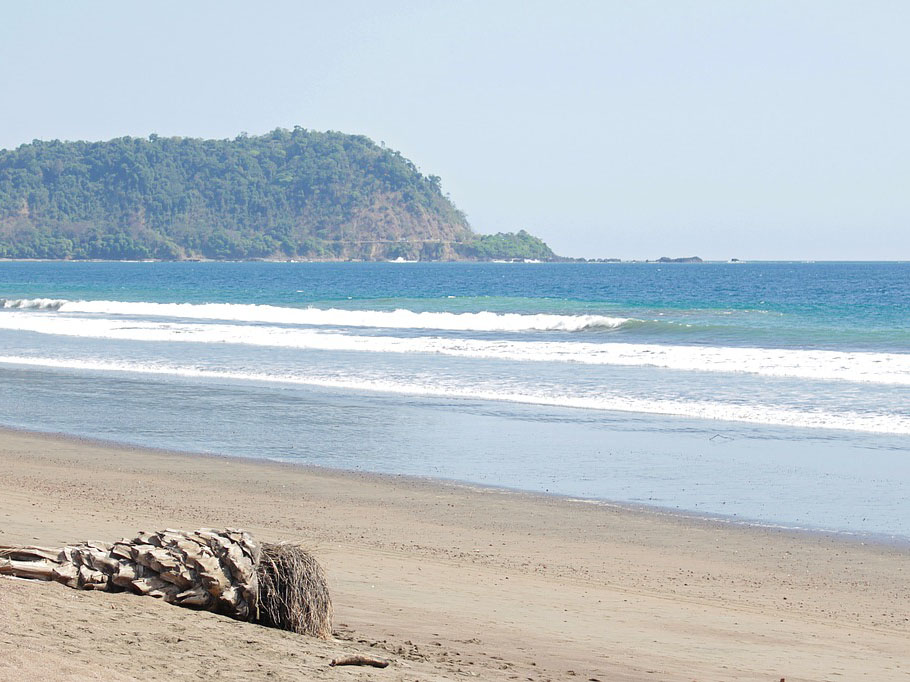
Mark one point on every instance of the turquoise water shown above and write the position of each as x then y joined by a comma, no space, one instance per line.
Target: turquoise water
768,392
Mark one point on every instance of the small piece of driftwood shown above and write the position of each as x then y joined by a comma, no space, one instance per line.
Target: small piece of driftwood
359,660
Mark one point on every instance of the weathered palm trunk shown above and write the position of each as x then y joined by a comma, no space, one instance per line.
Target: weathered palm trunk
224,571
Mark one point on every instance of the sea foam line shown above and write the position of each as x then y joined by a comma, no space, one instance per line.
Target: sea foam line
696,409
822,365
484,321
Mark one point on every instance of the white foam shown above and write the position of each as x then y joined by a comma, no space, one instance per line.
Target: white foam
826,365
696,409
484,321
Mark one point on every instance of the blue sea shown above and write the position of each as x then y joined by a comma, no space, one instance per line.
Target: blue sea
759,393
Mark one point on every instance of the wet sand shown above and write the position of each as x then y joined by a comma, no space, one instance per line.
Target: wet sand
448,581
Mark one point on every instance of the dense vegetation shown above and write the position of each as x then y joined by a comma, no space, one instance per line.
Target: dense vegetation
507,246
287,194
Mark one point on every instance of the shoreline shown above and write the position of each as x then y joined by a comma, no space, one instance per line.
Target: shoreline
682,515
445,580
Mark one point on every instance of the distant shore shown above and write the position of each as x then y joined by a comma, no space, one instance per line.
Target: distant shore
444,578
677,261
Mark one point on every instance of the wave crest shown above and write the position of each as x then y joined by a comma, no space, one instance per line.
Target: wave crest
821,365
484,321
32,303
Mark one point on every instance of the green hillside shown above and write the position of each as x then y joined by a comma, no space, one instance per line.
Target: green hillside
287,194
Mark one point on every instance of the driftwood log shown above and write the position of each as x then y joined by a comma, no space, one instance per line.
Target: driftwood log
225,571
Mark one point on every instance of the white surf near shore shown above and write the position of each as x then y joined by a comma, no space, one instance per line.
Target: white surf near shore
696,409
816,364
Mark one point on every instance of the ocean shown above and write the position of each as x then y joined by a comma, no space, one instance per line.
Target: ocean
757,393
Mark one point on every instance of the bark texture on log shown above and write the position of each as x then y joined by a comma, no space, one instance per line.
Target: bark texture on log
214,570
226,571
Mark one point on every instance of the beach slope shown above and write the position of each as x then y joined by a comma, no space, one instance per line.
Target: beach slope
447,581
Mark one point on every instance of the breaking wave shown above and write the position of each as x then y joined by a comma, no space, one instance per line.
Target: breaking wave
484,321
825,365
696,409
32,303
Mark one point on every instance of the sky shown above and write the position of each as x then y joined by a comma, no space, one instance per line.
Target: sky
725,129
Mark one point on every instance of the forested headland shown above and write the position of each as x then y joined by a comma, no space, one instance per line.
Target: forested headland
288,194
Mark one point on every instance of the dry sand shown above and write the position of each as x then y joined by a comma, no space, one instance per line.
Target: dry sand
447,581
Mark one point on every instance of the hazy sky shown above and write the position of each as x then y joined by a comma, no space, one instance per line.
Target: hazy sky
756,129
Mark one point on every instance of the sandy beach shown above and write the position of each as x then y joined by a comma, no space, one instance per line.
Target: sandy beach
447,581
